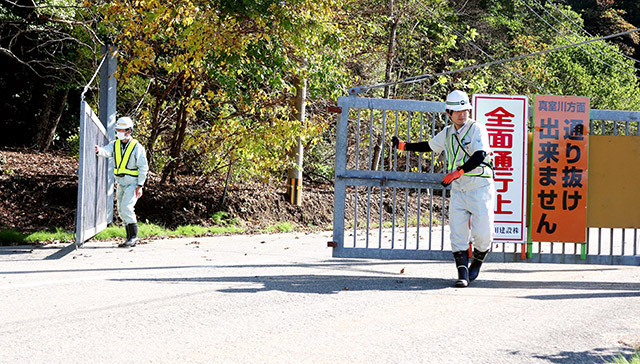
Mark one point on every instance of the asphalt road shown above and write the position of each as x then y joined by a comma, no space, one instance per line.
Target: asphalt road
284,299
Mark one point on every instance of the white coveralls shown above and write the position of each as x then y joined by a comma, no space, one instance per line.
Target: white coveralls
473,194
126,189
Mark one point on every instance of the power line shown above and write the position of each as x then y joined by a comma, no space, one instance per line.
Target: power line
589,34
421,78
584,50
579,37
478,47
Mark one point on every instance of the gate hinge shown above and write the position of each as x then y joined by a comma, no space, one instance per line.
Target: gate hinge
332,244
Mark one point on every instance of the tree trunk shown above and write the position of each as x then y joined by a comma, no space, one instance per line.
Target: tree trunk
178,139
391,48
45,115
393,23
48,129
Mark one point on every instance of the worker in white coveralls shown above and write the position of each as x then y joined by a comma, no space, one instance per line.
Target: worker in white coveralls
470,172
131,169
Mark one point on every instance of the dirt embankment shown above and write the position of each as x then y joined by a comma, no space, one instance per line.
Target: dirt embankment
38,191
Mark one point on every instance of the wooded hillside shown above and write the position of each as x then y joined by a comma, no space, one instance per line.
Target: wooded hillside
211,83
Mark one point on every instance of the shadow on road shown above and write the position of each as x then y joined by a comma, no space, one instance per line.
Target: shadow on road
326,284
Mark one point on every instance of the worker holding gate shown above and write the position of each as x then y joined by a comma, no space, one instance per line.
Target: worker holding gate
470,172
131,169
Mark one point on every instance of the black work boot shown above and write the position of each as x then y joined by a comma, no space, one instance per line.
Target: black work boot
462,262
128,231
476,263
132,236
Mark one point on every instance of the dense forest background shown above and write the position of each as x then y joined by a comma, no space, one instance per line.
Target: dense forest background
211,83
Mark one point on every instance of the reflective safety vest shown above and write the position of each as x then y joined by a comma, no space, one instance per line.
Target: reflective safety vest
453,150
121,161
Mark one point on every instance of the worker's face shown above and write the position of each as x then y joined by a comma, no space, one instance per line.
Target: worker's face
459,118
123,134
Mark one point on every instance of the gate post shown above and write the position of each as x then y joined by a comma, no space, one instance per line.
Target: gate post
340,170
107,114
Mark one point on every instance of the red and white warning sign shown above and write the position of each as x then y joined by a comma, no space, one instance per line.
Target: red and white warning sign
506,118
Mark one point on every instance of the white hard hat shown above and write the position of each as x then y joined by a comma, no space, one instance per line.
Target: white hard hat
458,100
124,122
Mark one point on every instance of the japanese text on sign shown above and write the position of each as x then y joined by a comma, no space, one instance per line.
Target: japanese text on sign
505,118
560,160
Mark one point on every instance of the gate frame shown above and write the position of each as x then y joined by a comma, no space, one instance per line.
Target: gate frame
371,178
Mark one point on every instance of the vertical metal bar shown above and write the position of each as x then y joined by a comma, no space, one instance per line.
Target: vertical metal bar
355,199
430,216
599,241
107,111
444,194
623,231
384,129
382,158
393,209
380,217
80,238
370,168
370,139
368,214
406,190
431,190
419,189
340,184
635,238
357,151
615,127
588,239
355,216
626,130
611,242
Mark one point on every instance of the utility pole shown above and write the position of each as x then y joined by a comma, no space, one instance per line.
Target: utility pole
294,187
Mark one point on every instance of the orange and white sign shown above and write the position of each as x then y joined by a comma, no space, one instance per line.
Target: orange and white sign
560,163
505,118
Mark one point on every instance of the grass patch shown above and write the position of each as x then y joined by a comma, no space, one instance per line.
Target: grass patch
8,237
42,236
111,232
191,230
280,227
226,229
635,359
145,230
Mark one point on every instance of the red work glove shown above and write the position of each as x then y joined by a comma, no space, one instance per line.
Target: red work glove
398,143
452,177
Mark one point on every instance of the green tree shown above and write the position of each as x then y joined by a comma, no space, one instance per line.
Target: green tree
219,77
48,51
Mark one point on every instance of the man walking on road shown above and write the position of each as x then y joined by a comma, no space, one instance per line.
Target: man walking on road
470,172
131,169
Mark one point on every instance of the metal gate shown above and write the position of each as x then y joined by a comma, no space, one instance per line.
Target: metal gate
93,204
95,175
391,205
